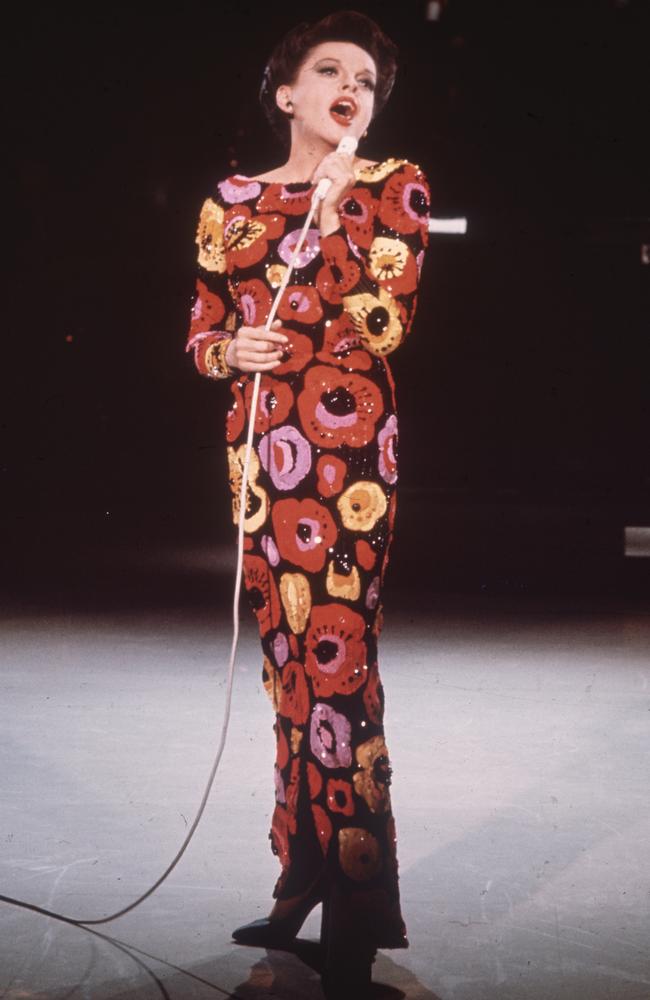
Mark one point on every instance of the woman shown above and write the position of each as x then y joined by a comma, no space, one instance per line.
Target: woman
321,498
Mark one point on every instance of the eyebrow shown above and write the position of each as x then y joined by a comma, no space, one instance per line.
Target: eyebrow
334,59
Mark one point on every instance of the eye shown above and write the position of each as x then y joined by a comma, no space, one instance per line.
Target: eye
327,69
370,84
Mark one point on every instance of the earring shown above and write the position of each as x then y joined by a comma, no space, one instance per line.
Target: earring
364,134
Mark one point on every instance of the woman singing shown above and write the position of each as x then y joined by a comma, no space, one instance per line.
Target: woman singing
321,499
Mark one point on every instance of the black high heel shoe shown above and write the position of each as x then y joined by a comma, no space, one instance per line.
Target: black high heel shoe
279,932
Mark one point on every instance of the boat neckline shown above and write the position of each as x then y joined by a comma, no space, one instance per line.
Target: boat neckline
308,184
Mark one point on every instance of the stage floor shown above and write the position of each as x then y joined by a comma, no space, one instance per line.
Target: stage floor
518,733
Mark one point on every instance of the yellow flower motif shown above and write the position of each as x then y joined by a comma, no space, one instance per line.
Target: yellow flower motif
272,683
388,258
376,320
209,237
361,505
296,599
257,500
296,737
342,584
359,853
275,274
243,233
372,781
379,170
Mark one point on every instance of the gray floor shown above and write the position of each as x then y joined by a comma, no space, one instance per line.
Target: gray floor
520,748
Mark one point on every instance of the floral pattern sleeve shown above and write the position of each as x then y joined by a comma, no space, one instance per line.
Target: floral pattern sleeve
214,315
373,260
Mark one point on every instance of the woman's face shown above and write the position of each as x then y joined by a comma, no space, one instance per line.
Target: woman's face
333,94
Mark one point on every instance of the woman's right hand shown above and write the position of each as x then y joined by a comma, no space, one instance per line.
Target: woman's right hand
252,348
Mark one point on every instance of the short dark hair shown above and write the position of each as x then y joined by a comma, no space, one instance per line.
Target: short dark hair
342,26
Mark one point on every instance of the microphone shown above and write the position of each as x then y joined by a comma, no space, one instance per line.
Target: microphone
348,144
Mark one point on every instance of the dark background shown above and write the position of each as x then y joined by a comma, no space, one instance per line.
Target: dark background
523,388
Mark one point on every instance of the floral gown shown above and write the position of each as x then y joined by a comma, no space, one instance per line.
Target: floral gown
321,502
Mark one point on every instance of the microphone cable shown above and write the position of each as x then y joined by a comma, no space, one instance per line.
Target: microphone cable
348,144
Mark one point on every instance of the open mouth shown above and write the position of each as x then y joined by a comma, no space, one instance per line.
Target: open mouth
343,111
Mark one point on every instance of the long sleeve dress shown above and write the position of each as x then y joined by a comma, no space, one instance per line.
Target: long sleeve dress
321,502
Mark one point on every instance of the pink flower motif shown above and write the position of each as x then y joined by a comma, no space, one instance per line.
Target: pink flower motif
387,442
372,594
270,550
280,649
280,794
239,188
286,456
310,248
329,736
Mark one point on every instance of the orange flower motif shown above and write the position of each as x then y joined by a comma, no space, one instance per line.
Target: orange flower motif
331,475
303,531
294,696
300,303
373,695
246,236
339,273
262,592
335,653
358,215
281,746
292,795
338,407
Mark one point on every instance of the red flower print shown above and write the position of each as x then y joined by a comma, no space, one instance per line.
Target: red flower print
338,345
331,475
404,204
364,553
246,236
339,796
254,301
274,402
338,407
208,309
300,303
323,825
358,215
303,530
373,696
339,273
294,697
314,780
281,746
292,795
335,653
300,349
262,592
277,198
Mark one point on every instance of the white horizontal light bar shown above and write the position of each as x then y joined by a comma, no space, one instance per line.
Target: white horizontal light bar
458,225
637,541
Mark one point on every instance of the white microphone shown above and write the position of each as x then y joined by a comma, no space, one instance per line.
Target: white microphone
348,144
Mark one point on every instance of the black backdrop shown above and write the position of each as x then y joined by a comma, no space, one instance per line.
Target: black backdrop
522,390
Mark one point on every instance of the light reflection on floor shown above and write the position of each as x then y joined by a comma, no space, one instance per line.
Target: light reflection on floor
518,737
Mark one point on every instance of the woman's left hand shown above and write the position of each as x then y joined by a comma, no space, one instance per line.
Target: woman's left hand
338,167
